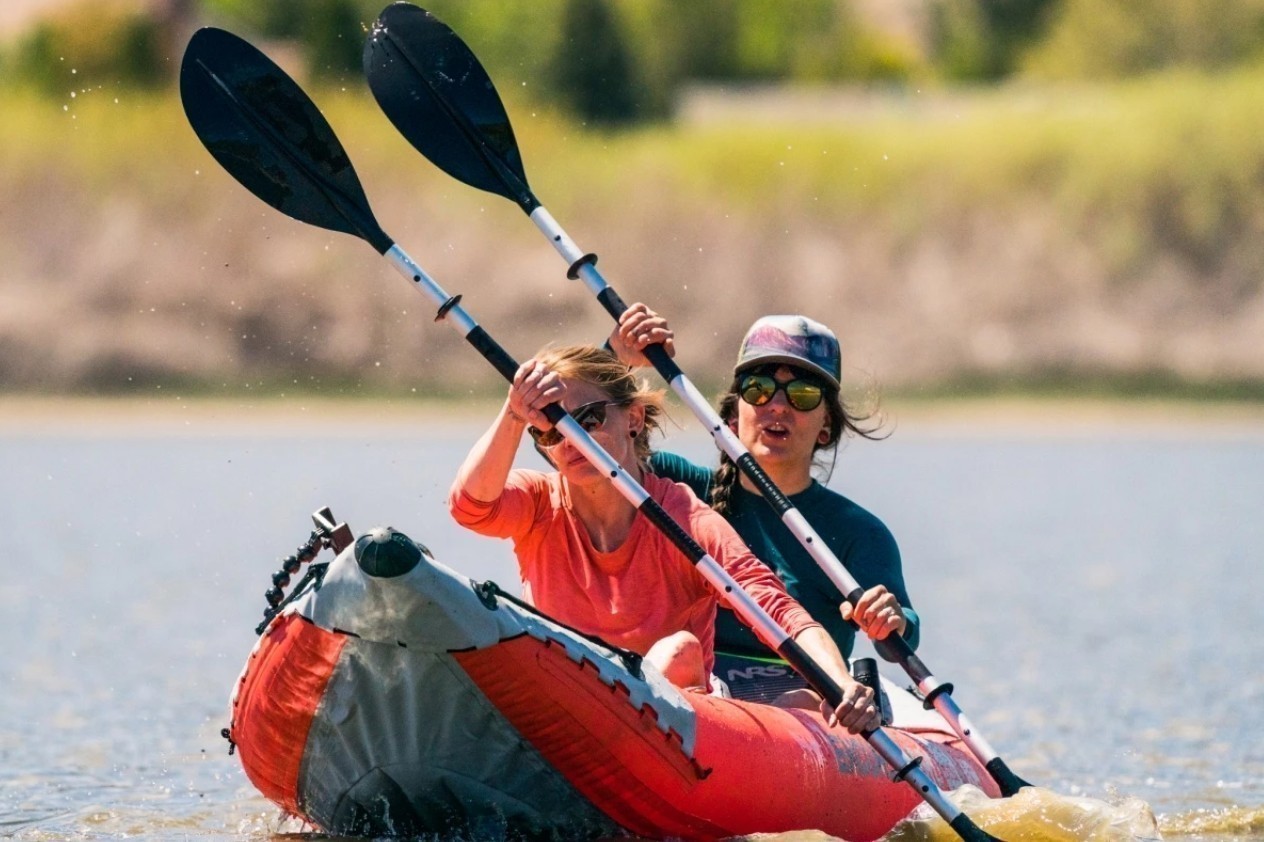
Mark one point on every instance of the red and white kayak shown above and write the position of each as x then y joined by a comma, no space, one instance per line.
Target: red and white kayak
399,697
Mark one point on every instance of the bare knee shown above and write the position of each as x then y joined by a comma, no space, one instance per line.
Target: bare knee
801,698
679,658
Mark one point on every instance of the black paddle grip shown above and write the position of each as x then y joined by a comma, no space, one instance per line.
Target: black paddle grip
612,302
663,364
656,354
555,412
673,530
493,353
895,649
1009,783
778,500
969,831
816,677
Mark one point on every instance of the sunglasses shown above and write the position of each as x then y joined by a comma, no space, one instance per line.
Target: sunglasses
590,416
802,394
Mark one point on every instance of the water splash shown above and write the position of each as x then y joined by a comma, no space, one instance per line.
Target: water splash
1230,821
1036,815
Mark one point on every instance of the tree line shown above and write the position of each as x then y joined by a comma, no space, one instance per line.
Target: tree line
619,62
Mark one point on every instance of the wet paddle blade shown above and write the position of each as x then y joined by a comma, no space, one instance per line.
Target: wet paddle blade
261,127
432,87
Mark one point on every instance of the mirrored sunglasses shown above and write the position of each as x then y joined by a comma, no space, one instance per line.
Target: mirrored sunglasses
801,393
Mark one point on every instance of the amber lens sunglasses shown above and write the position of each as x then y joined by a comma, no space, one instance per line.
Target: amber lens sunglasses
802,394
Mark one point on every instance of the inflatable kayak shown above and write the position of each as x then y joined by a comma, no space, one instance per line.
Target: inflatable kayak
393,696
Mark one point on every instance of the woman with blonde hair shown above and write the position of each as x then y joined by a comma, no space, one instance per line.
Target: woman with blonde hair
591,559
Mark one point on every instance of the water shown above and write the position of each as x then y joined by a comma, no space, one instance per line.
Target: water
1095,596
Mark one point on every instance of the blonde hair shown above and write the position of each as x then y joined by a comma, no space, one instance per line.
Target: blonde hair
598,367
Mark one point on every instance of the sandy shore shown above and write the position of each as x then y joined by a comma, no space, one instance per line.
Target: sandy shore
280,415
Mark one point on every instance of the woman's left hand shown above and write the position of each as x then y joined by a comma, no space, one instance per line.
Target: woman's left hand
877,613
640,327
533,388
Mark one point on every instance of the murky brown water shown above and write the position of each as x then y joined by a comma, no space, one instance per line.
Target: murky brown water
1095,598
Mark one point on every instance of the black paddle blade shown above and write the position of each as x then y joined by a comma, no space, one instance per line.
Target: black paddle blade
261,127
434,90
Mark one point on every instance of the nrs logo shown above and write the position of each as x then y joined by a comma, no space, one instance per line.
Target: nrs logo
756,672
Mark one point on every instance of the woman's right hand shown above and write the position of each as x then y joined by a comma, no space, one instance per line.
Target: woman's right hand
857,711
877,613
533,388
640,327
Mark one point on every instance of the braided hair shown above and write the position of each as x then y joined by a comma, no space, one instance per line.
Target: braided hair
844,421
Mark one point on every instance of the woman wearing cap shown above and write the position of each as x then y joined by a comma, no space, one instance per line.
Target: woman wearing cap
591,559
784,405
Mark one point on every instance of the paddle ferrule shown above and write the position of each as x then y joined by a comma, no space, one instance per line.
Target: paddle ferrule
561,241
449,307
452,313
912,774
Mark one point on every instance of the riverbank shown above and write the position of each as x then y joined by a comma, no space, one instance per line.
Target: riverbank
297,416
1108,232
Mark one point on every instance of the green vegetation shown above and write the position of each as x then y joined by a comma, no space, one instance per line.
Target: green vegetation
983,40
115,46
1096,39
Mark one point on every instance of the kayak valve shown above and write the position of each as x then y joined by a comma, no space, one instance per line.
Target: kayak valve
385,552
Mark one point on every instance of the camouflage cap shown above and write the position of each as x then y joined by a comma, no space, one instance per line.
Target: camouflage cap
793,340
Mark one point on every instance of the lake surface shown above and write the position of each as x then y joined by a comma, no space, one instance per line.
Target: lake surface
1094,593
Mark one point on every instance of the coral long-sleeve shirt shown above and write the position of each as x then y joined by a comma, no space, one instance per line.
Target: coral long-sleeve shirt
637,593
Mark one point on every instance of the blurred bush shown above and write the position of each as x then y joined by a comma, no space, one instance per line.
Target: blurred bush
981,40
330,32
1118,38
91,45
594,72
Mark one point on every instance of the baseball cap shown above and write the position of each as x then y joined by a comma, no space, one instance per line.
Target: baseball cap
793,340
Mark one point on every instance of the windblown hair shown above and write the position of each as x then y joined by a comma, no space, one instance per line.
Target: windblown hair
598,367
844,421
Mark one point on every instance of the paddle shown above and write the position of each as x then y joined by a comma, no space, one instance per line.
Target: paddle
438,95
267,133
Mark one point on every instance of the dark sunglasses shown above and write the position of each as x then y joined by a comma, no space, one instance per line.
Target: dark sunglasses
590,416
802,394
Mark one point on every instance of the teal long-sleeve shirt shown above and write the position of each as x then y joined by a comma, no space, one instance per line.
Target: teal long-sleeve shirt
858,538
